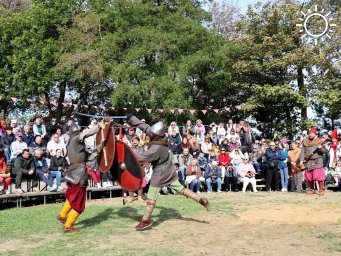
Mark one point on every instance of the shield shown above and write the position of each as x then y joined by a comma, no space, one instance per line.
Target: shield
126,168
106,157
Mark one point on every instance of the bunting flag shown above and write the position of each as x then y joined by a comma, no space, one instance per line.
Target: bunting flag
180,110
0,97
53,103
112,108
216,110
42,102
64,104
125,109
204,111
228,109
238,107
149,110
14,99
75,106
192,111
86,106
102,107
30,100
172,110
137,109
95,107
160,110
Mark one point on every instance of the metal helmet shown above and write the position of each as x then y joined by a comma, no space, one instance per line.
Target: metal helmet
158,129
74,128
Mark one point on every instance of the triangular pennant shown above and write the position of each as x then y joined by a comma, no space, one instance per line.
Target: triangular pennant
192,111
102,107
228,109
216,110
112,108
180,110
75,106
95,107
30,100
149,110
238,107
86,106
172,110
53,103
42,102
333,135
204,111
160,110
14,99
0,97
64,104
137,109
125,108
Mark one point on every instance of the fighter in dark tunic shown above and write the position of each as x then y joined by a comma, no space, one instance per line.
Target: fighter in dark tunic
76,176
164,173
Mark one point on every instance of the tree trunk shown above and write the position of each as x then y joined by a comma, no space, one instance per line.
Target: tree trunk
303,91
59,110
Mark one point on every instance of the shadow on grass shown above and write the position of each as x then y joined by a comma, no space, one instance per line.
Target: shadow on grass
98,218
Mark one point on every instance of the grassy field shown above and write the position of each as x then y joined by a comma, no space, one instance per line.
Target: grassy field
239,224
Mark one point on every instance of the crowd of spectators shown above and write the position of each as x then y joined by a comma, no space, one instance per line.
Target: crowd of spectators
224,157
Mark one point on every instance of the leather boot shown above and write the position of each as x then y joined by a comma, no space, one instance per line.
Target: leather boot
201,200
310,192
130,199
146,219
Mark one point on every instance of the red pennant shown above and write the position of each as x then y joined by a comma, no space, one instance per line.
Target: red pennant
238,107
125,108
14,99
149,110
102,107
64,104
204,111
30,100
75,106
160,110
216,110
53,103
42,102
192,111
137,109
112,108
95,107
333,135
180,110
172,110
86,106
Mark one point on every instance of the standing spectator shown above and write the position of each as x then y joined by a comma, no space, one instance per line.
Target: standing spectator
58,164
199,127
38,144
272,160
28,136
40,129
42,170
7,139
224,161
138,131
54,144
193,175
188,128
213,176
17,146
131,134
247,174
67,126
23,166
283,166
230,126
231,178
5,176
16,128
185,159
294,159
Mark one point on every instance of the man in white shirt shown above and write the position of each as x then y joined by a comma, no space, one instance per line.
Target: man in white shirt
17,146
54,144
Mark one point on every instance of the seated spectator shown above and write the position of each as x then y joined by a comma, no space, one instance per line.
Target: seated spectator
193,176
54,144
184,160
173,128
188,128
233,144
185,144
15,127
175,137
213,137
38,144
256,157
62,137
212,156
236,157
7,139
67,125
42,170
230,126
28,136
3,126
216,149
174,148
52,127
199,127
23,166
231,178
224,161
58,164
225,144
213,176
232,134
200,137
39,129
5,176
336,174
107,180
130,134
202,161
207,145
195,146
17,146
247,173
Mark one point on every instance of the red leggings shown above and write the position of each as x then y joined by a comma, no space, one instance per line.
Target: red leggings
7,182
95,175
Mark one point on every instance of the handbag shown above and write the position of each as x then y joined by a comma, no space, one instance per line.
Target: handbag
270,164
